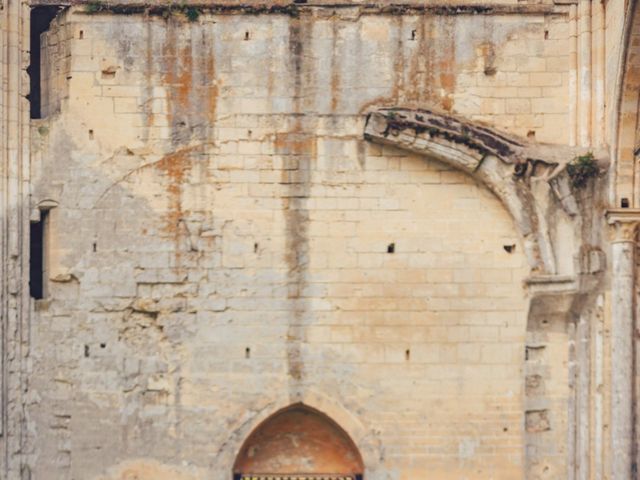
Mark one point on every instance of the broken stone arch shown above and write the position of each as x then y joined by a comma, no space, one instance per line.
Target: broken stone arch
520,173
557,223
298,442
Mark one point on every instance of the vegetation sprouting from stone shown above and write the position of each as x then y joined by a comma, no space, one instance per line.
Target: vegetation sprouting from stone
192,13
581,169
94,7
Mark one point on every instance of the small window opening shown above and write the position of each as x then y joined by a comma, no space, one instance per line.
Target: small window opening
90,134
509,248
247,352
624,203
546,34
391,248
81,36
37,256
246,35
407,354
41,18
413,34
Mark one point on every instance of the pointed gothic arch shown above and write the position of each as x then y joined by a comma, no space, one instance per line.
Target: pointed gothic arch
298,442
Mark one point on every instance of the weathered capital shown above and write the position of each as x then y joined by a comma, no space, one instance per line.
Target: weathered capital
624,224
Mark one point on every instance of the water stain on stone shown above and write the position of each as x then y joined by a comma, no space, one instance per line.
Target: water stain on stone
297,147
335,67
426,75
189,75
178,79
447,63
148,91
175,167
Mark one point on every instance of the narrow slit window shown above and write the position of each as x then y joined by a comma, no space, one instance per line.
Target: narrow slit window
38,258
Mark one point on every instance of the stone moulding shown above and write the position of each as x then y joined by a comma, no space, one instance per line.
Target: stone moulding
289,7
624,223
508,165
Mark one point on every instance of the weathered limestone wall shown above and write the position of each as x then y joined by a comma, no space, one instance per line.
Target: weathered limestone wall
14,226
614,30
55,68
226,244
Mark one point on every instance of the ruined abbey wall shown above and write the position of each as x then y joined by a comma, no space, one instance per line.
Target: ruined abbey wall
223,242
216,254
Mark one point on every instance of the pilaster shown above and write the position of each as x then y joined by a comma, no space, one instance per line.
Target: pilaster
624,226
14,231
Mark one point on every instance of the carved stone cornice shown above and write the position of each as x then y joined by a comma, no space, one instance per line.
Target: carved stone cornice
292,7
453,138
624,224
555,284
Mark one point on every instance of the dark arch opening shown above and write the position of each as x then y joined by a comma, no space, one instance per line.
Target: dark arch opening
299,442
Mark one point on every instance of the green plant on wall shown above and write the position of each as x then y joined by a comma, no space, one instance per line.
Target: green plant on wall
191,13
93,7
581,169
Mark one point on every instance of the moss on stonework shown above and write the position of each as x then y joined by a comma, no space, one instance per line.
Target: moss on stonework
581,169
192,13
94,7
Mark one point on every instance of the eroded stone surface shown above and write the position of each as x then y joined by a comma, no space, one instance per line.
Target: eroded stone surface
224,243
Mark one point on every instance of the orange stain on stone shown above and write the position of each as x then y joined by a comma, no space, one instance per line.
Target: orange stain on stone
175,166
296,440
447,65
183,80
212,89
178,75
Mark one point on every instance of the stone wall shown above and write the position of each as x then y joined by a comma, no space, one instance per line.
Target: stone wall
226,244
54,67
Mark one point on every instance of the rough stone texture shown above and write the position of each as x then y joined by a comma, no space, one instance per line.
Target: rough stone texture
224,242
224,220
14,218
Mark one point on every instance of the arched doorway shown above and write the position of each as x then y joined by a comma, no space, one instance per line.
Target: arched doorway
298,443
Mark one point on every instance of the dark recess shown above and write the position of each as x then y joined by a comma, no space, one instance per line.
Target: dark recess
36,257
41,18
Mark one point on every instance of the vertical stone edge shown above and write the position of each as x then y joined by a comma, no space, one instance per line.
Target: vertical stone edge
624,223
14,214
